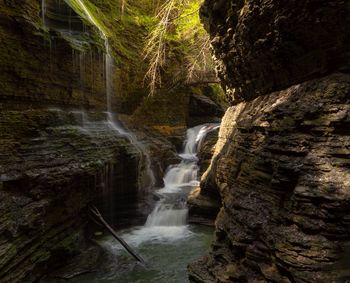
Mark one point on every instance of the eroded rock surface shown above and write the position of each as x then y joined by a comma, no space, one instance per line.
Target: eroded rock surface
263,46
282,167
204,202
281,163
51,167
53,161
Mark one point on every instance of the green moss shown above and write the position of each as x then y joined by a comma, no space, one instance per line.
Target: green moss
231,270
164,108
217,94
90,13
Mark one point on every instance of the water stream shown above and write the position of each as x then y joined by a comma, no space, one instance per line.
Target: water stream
166,241
146,177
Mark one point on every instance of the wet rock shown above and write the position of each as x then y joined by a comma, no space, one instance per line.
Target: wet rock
203,110
206,150
202,208
204,202
282,169
85,262
281,162
51,168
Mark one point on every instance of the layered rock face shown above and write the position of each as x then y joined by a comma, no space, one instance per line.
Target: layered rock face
282,160
263,46
204,202
52,166
58,150
54,160
39,68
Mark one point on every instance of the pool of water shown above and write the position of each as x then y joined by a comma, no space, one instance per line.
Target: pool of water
166,250
165,242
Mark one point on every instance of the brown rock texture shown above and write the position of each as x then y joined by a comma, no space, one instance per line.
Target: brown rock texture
282,161
282,168
39,68
204,202
53,161
263,46
51,167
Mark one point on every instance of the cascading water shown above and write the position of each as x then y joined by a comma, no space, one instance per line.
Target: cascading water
168,220
166,242
179,179
146,176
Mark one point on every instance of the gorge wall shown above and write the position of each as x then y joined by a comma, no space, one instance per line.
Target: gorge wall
58,148
58,153
281,164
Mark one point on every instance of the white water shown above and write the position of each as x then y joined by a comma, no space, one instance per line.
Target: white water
168,220
92,19
146,176
179,179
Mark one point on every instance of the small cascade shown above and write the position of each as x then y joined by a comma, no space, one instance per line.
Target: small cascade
168,220
166,215
178,181
146,176
109,77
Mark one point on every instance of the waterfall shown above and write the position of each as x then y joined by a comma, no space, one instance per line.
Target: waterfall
168,220
146,176
109,77
171,210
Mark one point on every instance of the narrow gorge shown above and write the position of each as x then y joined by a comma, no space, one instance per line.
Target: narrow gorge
212,136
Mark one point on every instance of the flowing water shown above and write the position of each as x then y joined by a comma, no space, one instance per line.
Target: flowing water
166,241
146,176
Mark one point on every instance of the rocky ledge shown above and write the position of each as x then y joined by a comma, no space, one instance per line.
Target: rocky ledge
264,46
204,202
52,165
282,166
282,161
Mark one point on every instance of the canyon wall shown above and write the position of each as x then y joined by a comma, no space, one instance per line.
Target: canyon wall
58,153
281,164
59,150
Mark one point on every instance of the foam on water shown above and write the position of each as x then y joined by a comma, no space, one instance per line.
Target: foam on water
168,220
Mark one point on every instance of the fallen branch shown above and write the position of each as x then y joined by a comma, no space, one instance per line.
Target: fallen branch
98,215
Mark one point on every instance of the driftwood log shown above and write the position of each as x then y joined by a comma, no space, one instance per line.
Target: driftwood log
99,217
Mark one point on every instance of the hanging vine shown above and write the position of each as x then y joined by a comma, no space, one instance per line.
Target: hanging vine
176,19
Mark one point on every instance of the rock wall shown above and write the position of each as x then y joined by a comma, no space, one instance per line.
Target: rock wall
52,166
39,68
57,150
263,46
282,160
58,153
204,202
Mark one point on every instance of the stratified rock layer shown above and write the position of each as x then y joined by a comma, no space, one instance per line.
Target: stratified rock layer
53,161
204,202
52,165
282,162
283,167
263,46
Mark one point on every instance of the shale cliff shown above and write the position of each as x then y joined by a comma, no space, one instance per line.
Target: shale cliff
282,162
56,157
59,150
